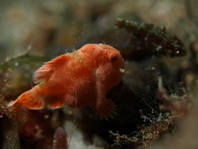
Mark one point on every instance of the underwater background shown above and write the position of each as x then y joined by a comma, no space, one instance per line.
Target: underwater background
155,103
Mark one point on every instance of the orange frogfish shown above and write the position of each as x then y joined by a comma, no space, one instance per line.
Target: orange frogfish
77,79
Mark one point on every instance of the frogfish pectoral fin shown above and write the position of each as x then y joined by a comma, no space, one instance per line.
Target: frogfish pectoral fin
104,107
29,99
54,102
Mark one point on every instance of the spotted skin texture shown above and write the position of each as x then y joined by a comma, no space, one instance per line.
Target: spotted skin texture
78,79
154,38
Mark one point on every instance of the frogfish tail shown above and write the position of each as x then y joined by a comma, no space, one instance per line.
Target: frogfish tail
29,99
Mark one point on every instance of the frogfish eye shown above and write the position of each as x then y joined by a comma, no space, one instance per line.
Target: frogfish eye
113,57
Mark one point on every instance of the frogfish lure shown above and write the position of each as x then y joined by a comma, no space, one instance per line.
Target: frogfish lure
78,79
